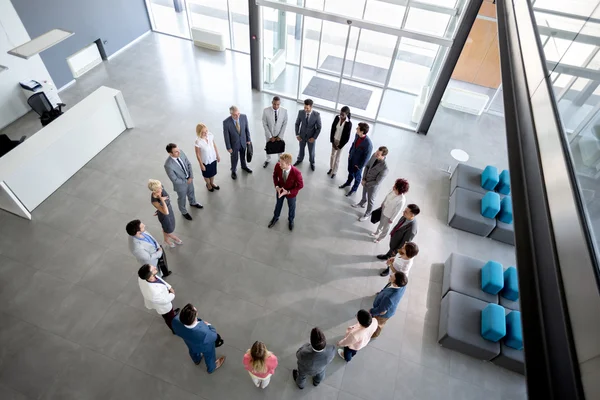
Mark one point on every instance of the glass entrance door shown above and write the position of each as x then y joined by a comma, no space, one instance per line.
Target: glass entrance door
170,17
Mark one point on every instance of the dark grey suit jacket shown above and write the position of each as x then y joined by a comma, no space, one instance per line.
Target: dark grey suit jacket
405,234
310,129
233,139
311,362
373,175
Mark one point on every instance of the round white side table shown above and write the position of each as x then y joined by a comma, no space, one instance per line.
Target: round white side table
460,156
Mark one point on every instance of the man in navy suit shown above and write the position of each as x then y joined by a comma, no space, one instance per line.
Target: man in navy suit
359,155
237,136
386,301
200,337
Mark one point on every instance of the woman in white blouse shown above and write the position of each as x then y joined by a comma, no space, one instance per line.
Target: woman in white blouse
207,155
340,134
391,208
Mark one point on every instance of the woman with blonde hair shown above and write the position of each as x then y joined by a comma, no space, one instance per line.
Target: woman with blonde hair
260,364
164,211
207,155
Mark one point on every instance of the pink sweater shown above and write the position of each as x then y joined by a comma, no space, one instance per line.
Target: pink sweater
271,364
357,336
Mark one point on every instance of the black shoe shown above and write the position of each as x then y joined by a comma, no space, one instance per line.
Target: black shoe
332,176
265,164
316,383
385,272
216,187
312,167
210,189
329,172
187,216
343,186
233,175
198,363
248,170
382,256
167,274
295,376
297,163
273,222
198,205
350,193
291,225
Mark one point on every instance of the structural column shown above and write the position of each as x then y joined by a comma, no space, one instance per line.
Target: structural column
256,50
469,15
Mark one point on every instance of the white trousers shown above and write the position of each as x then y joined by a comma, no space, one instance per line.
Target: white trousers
383,228
269,157
260,382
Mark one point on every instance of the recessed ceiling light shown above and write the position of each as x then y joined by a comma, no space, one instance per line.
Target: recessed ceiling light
40,43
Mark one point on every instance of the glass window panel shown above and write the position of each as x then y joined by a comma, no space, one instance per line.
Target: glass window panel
397,108
210,15
385,13
561,82
280,48
314,4
347,8
412,67
577,54
333,44
373,57
426,21
321,88
558,22
577,7
312,34
240,25
169,19
443,3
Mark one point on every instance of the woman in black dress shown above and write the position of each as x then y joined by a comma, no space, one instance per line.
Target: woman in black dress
160,200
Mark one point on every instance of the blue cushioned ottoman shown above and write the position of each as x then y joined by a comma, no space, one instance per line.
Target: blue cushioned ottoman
510,358
490,205
503,186
462,274
493,322
464,213
466,177
490,177
514,334
460,327
506,214
504,233
511,284
492,277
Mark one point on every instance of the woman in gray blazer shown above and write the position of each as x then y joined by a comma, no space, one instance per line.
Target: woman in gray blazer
164,211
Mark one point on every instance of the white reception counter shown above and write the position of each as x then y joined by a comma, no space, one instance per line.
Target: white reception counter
32,171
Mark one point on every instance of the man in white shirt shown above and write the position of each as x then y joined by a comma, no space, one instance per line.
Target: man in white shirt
158,294
274,121
403,261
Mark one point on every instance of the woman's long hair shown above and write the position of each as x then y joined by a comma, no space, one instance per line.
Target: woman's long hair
258,357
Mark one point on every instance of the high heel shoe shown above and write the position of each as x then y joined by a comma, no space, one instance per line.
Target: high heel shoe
210,189
216,187
172,244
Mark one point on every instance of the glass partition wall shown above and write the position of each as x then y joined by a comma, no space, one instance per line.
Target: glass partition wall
228,18
382,64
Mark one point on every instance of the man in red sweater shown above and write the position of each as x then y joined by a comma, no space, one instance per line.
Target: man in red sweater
288,182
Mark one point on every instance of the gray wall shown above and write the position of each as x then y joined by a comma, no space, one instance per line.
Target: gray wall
116,21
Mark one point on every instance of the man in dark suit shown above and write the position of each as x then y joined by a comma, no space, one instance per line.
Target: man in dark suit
237,136
358,157
308,127
288,182
404,231
313,359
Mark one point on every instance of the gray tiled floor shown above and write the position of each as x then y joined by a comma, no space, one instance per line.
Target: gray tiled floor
75,327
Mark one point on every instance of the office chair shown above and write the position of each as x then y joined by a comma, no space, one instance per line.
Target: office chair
41,105
6,144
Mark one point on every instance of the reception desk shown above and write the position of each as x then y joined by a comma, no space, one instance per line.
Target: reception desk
32,171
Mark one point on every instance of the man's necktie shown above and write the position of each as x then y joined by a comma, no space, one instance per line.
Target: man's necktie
237,126
275,116
397,228
307,116
285,176
183,168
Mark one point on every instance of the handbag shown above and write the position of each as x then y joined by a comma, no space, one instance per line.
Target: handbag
275,147
162,264
376,216
249,152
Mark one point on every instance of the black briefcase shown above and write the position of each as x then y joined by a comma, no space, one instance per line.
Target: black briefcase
376,216
249,152
275,147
